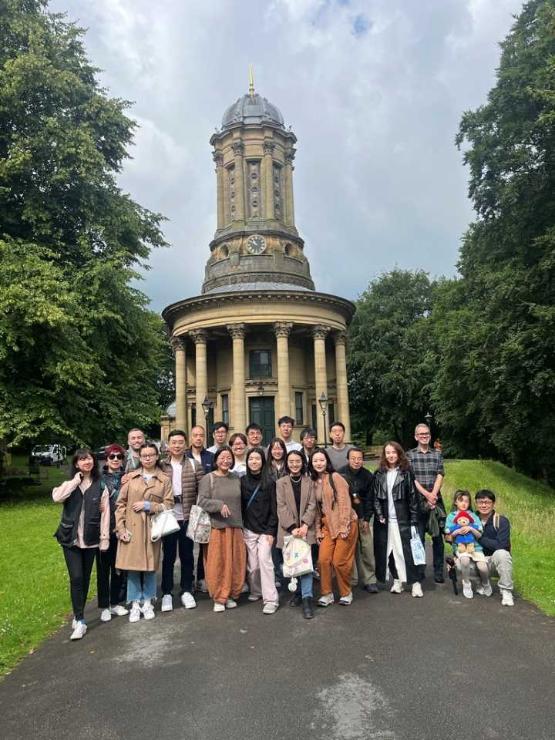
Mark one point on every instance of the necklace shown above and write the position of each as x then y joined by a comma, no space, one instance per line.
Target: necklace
296,480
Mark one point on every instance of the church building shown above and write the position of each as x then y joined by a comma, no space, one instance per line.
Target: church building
259,342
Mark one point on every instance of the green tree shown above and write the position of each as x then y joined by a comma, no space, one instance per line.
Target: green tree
391,357
495,326
79,349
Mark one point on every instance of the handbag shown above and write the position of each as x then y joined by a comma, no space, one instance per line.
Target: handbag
199,525
162,524
297,557
417,548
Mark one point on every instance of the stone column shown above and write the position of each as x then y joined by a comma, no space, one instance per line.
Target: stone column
238,149
178,346
341,380
289,208
269,179
199,337
319,334
237,416
219,160
282,331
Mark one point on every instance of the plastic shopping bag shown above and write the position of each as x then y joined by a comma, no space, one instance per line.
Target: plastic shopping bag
417,548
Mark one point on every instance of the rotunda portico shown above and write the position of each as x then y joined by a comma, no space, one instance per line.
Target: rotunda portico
259,342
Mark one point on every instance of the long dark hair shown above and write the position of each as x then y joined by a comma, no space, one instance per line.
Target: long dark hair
79,455
225,448
329,470
281,443
402,459
264,473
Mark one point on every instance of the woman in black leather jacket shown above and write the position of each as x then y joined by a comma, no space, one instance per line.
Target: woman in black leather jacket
396,511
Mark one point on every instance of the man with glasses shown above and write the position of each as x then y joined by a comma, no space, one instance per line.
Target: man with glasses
429,472
185,474
254,435
308,441
219,434
496,543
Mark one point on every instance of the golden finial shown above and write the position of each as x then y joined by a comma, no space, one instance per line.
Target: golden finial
251,81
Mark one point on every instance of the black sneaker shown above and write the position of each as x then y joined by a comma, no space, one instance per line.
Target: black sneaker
439,579
372,588
308,611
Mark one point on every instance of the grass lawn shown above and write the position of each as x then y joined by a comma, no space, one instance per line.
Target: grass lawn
530,507
34,598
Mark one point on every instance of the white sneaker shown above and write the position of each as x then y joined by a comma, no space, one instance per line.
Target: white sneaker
118,610
346,600
507,598
486,590
397,587
201,586
135,612
417,590
188,600
105,615
74,623
253,597
270,608
245,588
219,607
467,590
167,603
79,631
148,610
326,600
230,604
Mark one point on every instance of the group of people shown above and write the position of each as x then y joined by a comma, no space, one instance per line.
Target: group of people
361,526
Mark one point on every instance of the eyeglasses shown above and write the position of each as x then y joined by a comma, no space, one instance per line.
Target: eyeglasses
115,456
148,456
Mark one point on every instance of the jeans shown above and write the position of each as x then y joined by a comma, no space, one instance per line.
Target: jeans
437,550
110,583
79,562
304,585
141,585
170,545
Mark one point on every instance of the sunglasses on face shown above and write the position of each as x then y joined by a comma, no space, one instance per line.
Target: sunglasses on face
115,456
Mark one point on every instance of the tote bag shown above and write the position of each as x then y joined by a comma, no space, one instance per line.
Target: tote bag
162,524
297,557
199,526
417,548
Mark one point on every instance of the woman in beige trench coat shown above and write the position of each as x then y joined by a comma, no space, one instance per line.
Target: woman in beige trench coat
147,491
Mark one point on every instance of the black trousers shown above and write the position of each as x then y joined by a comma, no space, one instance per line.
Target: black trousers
111,584
79,562
170,545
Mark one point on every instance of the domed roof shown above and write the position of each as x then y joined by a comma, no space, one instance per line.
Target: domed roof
252,108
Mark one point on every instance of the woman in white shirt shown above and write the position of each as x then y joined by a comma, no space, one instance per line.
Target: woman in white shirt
396,511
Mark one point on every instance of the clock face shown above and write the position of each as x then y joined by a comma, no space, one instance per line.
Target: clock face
256,244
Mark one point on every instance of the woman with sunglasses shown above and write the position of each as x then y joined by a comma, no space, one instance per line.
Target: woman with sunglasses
296,510
83,529
111,583
226,559
147,491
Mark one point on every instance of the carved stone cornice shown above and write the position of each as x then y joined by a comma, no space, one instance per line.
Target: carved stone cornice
199,336
290,155
320,331
178,344
238,148
269,147
237,331
218,158
282,329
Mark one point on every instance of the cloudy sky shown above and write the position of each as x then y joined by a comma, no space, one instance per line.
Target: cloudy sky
373,89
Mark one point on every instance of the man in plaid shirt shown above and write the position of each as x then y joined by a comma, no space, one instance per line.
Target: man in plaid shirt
427,466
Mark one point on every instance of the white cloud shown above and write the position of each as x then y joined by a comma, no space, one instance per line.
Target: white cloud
374,91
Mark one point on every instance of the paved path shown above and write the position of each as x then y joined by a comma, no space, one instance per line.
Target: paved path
388,666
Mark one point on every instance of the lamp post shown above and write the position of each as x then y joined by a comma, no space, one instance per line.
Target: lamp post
323,401
207,404
429,419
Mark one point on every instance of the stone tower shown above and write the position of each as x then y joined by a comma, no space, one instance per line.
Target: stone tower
259,342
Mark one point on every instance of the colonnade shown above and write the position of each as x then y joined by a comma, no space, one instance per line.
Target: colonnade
282,331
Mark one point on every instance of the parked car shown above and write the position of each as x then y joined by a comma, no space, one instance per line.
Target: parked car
52,454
